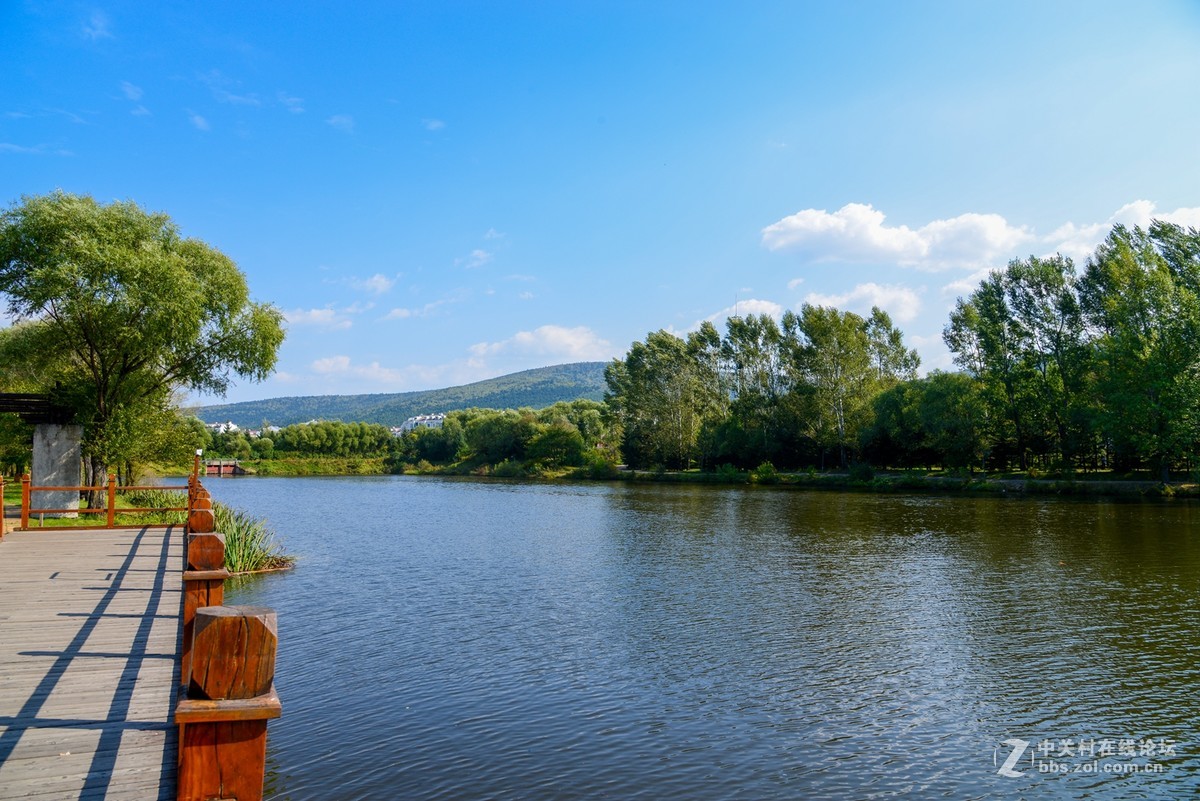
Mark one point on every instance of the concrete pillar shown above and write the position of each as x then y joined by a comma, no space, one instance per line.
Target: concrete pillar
56,459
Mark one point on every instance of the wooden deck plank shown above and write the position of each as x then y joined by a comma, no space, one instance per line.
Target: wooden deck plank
89,642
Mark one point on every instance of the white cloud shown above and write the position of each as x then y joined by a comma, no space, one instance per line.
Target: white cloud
36,150
1080,241
327,318
140,111
968,283
575,344
342,122
331,364
795,282
526,296
433,125
377,284
341,371
70,115
199,122
131,92
743,308
97,27
220,86
478,258
423,311
492,233
902,303
292,104
857,233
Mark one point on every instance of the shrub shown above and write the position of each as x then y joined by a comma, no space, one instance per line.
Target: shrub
765,473
729,474
509,469
862,472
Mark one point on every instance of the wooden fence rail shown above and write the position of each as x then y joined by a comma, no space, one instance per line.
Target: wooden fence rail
110,509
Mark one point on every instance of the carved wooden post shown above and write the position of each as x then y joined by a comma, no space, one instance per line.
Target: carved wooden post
231,696
25,501
203,585
112,500
200,519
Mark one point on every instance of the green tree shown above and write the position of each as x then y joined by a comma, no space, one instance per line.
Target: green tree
756,379
896,436
556,444
1048,321
952,417
833,357
1140,292
121,310
891,360
989,344
16,445
496,436
660,394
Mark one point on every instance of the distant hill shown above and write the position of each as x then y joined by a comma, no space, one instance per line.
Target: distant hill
535,389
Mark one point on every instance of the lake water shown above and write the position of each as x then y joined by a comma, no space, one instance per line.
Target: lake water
460,639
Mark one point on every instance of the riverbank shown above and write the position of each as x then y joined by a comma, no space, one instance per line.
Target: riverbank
1101,485
315,466
938,483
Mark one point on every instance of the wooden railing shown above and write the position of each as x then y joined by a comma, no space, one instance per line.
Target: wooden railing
227,672
225,703
109,510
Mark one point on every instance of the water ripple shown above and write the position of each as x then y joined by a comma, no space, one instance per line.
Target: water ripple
471,640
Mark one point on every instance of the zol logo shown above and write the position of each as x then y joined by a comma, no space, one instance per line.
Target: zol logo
1018,750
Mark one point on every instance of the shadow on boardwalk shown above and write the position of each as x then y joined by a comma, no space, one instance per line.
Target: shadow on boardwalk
89,638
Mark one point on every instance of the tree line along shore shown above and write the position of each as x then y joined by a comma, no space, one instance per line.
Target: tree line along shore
1064,373
1071,380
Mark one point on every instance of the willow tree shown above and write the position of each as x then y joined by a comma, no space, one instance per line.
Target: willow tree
119,313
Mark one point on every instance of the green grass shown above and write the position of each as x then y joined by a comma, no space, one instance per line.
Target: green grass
316,466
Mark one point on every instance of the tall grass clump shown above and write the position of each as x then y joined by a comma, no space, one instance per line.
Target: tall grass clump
249,545
155,499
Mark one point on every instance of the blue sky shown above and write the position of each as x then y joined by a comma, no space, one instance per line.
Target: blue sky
440,192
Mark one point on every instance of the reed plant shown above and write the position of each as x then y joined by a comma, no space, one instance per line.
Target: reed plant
250,546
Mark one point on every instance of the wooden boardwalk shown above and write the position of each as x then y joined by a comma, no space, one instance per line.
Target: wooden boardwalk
89,644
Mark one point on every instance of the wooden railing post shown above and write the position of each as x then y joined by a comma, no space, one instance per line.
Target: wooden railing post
200,518
203,585
112,500
231,696
25,501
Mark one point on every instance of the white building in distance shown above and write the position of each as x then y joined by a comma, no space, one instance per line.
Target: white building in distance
420,421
